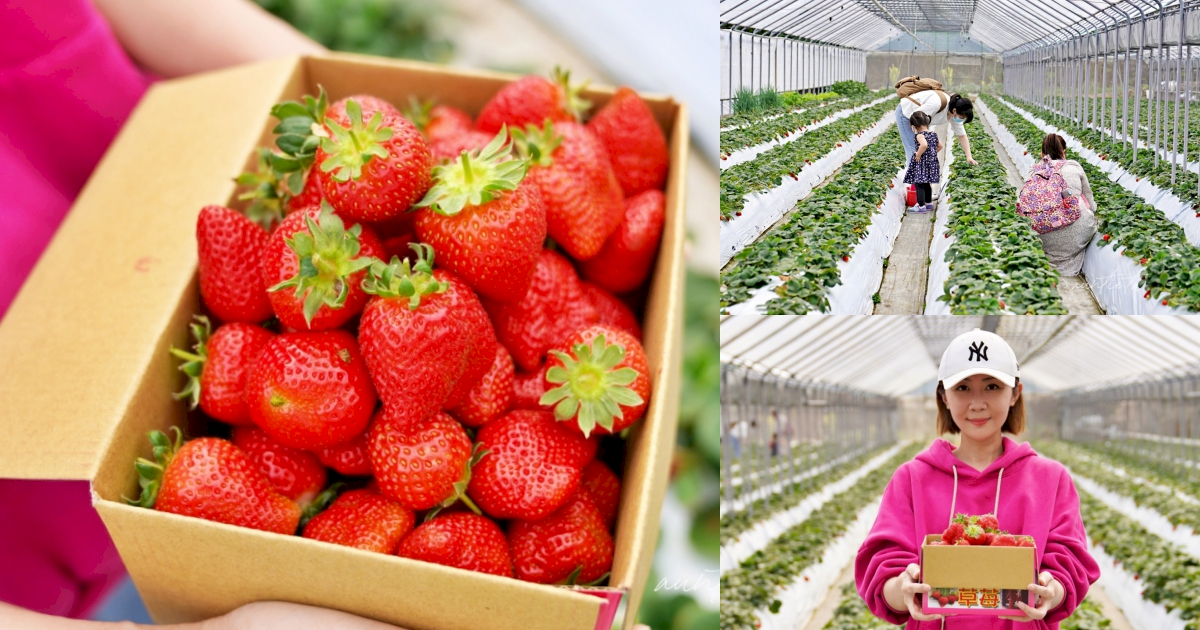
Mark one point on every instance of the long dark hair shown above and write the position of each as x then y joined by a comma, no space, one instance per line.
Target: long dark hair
962,106
1054,146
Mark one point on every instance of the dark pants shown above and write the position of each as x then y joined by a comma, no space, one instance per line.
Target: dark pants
924,194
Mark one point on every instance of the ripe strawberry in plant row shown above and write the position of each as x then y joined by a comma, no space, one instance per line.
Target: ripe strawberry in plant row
637,145
572,170
218,366
486,223
363,519
349,458
491,397
426,337
314,267
230,247
611,311
421,464
600,380
605,489
533,100
461,540
212,479
309,390
571,545
625,260
296,474
532,465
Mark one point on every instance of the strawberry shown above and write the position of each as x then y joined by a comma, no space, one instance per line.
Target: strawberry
314,267
988,537
212,479
974,535
309,390
1004,540
628,129
532,465
953,599
605,489
445,121
449,148
421,464
363,519
310,196
533,100
962,542
625,260
936,594
461,540
571,168
349,458
600,380
988,522
528,389
491,397
570,545
297,475
485,223
426,337
943,600
374,162
230,247
218,367
1025,541
953,533
551,310
611,311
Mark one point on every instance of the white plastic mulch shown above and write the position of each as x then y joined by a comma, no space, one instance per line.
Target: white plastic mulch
749,153
1126,593
1155,523
939,267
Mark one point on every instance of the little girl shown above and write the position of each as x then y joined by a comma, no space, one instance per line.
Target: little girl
924,168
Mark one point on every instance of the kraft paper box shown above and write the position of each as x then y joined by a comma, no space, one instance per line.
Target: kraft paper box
976,580
86,373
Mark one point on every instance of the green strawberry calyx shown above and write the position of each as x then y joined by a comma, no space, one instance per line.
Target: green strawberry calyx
350,149
319,503
537,144
460,486
193,362
328,256
589,386
572,94
475,178
150,473
400,279
419,112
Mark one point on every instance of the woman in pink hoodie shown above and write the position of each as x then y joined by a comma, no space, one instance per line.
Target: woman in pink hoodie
979,397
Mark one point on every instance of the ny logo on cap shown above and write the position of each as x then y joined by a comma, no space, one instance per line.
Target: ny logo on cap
978,352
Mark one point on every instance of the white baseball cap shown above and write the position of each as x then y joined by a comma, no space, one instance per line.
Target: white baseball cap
978,352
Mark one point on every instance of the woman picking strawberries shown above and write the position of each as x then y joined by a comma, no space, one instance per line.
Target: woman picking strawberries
979,397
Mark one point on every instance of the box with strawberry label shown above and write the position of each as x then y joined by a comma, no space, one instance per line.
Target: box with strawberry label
975,568
430,324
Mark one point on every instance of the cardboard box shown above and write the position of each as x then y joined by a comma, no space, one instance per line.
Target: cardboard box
86,371
983,580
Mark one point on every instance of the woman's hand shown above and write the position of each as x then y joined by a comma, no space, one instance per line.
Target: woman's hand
1050,594
911,590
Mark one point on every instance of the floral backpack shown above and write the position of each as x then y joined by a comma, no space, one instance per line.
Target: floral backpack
1045,200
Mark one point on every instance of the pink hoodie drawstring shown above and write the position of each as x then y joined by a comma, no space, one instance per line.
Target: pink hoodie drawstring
954,500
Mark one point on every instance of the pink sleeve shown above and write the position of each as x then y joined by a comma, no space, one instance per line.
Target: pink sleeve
1066,554
889,548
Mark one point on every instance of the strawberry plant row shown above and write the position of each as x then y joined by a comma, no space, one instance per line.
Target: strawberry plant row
786,125
1087,616
743,118
770,167
852,613
1151,468
996,261
1171,265
820,231
753,585
734,523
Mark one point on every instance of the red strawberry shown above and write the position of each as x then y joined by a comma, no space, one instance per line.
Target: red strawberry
572,170
600,380
362,519
974,535
461,540
531,466
449,148
605,489
532,100
491,396
612,311
349,458
426,338
571,544
1106,237
625,260
1004,540
552,309
420,464
229,247
217,369
212,479
943,600
314,267
988,538
988,522
309,390
375,163
486,224
635,141
1025,541
936,594
445,121
953,599
528,389
297,475
953,533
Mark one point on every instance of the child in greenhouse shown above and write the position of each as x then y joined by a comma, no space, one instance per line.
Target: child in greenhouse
979,398
923,168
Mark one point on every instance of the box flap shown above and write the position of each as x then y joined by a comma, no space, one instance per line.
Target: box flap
83,330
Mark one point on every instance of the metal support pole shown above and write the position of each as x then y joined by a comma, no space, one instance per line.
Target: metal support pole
1159,111
1178,82
1137,103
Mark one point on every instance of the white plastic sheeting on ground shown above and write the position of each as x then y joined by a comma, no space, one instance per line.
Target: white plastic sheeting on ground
939,267
762,210
1121,472
1155,523
741,502
802,598
749,153
1126,593
761,535
1112,277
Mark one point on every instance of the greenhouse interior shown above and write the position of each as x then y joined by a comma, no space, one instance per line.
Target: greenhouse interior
826,205
817,414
